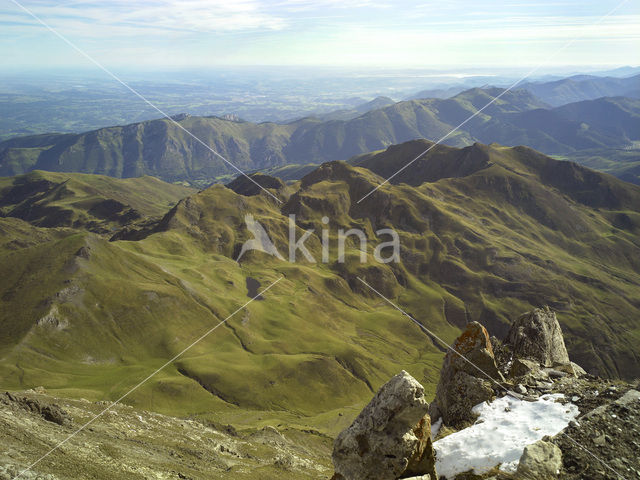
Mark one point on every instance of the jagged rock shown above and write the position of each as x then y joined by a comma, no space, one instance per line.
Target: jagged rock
475,345
49,411
390,438
537,336
462,385
501,354
540,460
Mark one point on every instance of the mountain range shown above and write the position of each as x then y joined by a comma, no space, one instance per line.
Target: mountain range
575,88
583,87
485,231
164,149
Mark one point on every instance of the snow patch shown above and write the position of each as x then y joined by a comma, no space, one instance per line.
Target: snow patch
504,427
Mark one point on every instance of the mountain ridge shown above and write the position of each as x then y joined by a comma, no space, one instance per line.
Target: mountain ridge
584,87
160,148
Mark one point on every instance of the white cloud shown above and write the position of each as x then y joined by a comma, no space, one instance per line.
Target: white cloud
120,17
359,32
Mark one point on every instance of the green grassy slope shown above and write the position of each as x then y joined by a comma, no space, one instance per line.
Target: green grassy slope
94,202
513,230
622,163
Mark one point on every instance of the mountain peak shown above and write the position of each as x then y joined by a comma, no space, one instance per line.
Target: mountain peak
428,161
249,185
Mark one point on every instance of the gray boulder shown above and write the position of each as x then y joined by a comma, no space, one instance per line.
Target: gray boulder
390,438
537,336
540,460
521,367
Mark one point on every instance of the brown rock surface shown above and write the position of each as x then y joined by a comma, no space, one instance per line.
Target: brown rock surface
465,383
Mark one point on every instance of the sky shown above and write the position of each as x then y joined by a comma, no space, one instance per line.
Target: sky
361,33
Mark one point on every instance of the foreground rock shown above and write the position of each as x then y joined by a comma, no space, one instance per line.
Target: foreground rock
537,336
465,383
390,438
540,460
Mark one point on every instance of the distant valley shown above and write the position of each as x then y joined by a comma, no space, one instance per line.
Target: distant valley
486,230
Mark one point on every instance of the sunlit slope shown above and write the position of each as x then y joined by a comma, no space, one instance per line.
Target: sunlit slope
94,202
622,163
310,346
507,230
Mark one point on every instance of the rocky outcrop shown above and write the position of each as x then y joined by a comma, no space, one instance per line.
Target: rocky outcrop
535,363
390,438
148,445
537,336
533,354
540,460
465,377
49,411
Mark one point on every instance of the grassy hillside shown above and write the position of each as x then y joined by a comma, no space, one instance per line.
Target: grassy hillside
97,203
622,163
512,230
163,149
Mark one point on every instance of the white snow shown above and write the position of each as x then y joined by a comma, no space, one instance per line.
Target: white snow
498,437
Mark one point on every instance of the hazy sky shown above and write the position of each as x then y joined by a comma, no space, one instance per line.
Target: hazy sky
321,32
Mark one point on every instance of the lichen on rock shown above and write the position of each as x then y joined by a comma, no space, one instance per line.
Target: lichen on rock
537,335
465,382
390,438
